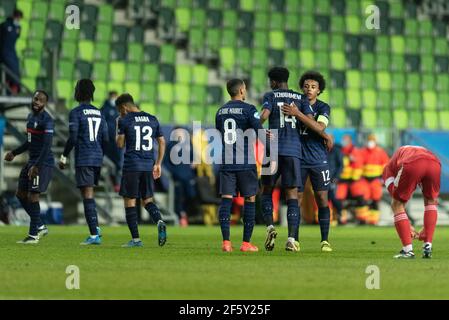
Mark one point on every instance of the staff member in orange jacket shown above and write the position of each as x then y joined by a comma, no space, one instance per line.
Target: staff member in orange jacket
375,160
350,179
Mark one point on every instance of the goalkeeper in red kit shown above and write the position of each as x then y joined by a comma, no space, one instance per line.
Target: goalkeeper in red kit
413,166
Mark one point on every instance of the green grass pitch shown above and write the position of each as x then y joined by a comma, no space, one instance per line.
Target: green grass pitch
192,266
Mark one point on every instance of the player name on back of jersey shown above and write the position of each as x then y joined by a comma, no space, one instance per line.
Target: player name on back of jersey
290,95
92,112
230,111
142,119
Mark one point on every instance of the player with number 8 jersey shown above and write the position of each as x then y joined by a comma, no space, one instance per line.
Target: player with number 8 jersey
88,135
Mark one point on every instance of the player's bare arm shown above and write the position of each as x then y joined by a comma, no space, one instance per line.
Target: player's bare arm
264,115
157,169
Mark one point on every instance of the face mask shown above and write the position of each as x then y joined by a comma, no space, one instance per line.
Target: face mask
16,23
112,102
371,144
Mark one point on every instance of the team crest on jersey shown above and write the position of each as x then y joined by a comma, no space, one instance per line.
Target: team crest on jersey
257,115
35,125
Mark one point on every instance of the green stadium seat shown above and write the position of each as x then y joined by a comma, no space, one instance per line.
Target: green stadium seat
353,79
397,44
399,99
353,24
248,5
133,72
430,100
198,95
196,42
291,58
443,101
369,118
70,35
64,89
413,81
216,4
68,50
261,20
210,114
415,119
428,81
134,89
353,7
214,95
165,93
118,51
427,64
117,71
86,50
383,80
441,46
396,26
383,62
148,107
261,39
306,41
276,21
307,7
431,120
200,19
338,60
425,28
337,42
426,46
277,39
307,23
37,29
338,118
182,93
337,24
164,113
292,22
338,98
200,74
384,98
148,93
275,57
31,67
442,82
444,120
292,6
228,37
89,13
227,58
105,14
53,31
100,71
230,19
168,54
83,69
120,34
135,52
183,17
306,58
102,51
322,60
152,53
245,59
400,117
260,58
65,69
215,18
183,73
150,73
258,80
397,62
411,45
367,61
411,27
368,80
322,41
213,39
104,32
369,97
26,7
56,11
323,7
414,100
87,31
384,118
396,9
197,113
353,99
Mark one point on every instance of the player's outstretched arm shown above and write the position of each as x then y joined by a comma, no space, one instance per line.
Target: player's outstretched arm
12,154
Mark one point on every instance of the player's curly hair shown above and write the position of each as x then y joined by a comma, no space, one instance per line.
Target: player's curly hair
313,75
84,90
279,74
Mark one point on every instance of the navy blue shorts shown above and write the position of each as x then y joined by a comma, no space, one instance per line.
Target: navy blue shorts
137,184
38,184
244,182
319,177
289,169
87,176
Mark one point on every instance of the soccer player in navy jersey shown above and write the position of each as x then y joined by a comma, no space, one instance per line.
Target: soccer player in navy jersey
315,145
289,154
137,130
88,135
238,174
37,173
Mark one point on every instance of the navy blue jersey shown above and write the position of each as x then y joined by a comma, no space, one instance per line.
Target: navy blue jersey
39,125
88,131
140,130
313,148
289,143
233,120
